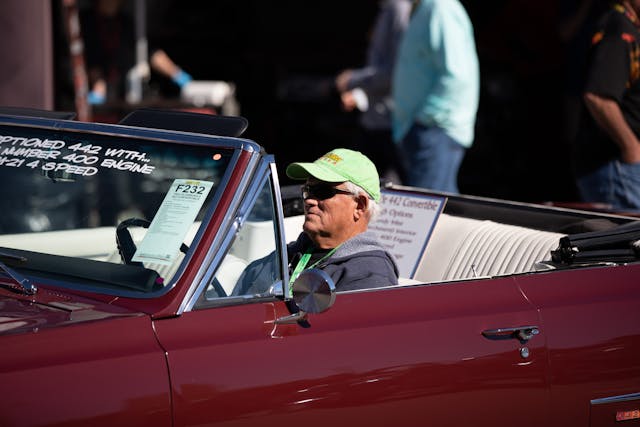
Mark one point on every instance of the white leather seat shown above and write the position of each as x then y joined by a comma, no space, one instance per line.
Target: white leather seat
463,248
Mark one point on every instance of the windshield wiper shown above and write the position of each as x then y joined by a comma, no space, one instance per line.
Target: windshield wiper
29,288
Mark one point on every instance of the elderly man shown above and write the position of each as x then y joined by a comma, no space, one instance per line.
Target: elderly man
341,197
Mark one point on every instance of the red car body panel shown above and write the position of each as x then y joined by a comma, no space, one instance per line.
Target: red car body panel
98,370
50,308
402,357
581,311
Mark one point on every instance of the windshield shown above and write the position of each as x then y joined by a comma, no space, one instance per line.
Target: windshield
107,211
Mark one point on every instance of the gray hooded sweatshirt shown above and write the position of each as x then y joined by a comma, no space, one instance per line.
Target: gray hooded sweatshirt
359,263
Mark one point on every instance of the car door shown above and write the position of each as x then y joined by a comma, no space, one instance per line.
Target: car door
406,356
412,355
591,318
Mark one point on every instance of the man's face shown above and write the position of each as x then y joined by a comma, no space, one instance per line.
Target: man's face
330,216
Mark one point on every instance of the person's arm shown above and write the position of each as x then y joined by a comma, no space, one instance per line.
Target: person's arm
607,114
363,272
161,62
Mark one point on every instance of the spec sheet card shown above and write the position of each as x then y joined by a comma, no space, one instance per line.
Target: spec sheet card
404,226
172,222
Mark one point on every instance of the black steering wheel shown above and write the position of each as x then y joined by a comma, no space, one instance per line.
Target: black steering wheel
126,246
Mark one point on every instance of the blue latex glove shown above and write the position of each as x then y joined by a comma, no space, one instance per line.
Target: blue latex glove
182,78
95,98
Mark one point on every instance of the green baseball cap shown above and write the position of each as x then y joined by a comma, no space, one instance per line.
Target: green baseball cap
340,165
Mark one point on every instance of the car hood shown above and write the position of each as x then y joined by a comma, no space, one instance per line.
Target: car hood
48,309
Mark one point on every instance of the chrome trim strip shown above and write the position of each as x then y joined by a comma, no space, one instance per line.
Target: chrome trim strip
616,399
279,214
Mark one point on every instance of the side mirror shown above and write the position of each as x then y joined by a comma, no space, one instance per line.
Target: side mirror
313,292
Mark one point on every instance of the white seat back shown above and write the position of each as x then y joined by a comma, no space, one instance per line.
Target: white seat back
463,248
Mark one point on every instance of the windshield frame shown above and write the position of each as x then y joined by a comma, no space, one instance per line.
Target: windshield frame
175,138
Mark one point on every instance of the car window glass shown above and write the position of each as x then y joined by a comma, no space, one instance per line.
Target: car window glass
252,264
71,198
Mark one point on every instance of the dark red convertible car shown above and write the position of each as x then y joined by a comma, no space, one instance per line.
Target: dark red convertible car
122,249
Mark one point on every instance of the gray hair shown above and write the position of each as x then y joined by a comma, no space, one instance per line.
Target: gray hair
373,208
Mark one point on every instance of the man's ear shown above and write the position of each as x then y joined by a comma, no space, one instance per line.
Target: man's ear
362,203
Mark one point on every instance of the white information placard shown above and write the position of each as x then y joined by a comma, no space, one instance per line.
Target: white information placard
172,221
405,225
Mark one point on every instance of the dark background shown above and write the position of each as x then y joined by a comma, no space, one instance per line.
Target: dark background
283,56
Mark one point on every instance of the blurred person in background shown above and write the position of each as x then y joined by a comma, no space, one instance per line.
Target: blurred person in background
607,151
435,91
577,19
109,39
368,89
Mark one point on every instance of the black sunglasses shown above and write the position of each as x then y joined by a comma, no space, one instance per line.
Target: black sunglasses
321,191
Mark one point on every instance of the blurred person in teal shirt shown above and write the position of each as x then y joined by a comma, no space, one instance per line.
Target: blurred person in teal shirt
435,90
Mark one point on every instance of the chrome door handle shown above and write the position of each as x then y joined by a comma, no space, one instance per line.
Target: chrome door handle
522,333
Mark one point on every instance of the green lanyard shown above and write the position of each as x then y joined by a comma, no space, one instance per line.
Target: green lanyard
304,260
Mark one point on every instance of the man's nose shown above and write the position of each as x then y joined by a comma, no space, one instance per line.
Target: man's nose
310,201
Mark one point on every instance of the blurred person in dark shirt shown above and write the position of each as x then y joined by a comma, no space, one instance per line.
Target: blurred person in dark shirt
607,153
368,88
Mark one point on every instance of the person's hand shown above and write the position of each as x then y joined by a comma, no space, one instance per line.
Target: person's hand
348,101
342,81
98,93
96,98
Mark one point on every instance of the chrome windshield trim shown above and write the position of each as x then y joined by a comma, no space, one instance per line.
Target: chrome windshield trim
616,399
282,243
